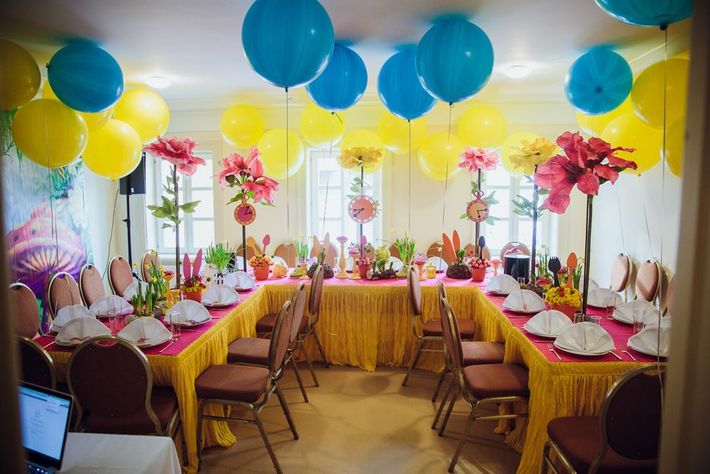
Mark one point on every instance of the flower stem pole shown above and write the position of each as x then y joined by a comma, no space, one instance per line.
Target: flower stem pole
533,258
177,227
478,224
244,246
362,189
587,248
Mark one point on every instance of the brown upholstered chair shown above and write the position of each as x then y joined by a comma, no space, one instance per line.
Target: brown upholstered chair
478,384
623,438
470,248
24,303
150,256
514,245
37,365
434,250
62,291
120,275
113,386
648,281
248,386
621,269
255,350
91,285
287,251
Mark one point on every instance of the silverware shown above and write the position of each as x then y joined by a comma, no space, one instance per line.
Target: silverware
46,346
169,344
615,355
552,349
630,355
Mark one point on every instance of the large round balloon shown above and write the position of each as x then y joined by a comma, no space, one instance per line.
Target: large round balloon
439,156
454,60
49,133
395,133
631,132
94,120
242,125
273,148
675,147
287,42
364,139
648,12
114,150
19,76
343,81
510,147
320,127
399,87
598,81
483,126
85,77
647,93
145,111
595,124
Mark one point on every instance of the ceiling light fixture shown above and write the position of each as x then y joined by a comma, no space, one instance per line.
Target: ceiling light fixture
158,82
517,71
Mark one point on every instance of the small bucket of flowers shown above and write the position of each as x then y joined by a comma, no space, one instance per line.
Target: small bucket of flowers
566,299
363,266
192,284
478,268
260,265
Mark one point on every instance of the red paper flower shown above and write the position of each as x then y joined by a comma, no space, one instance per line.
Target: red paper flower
236,165
585,164
478,159
247,174
178,152
263,188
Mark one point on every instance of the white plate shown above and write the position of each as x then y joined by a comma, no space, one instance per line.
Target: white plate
522,311
578,352
151,342
192,324
121,315
497,293
541,334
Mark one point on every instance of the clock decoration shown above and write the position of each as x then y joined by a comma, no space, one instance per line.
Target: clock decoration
362,208
477,209
477,161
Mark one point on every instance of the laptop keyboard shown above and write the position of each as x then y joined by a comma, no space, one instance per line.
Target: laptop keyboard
35,469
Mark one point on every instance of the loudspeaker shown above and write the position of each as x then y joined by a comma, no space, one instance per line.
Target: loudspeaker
134,183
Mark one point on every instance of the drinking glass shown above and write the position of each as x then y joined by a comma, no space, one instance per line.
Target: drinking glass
639,322
578,317
609,306
113,321
174,318
594,319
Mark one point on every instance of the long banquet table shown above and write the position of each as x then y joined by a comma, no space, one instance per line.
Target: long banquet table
367,324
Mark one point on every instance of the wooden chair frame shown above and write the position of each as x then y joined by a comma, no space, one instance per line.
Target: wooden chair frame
44,355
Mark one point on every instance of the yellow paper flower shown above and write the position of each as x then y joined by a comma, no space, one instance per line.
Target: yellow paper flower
532,154
359,156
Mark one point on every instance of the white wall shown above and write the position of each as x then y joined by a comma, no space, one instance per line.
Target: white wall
100,193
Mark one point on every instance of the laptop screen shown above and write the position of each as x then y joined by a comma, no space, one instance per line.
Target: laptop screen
44,416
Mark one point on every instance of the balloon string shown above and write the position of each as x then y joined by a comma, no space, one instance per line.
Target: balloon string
621,219
327,187
448,138
446,178
645,218
288,199
409,184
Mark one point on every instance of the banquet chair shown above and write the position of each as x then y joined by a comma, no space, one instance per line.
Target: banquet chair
514,246
648,281
91,285
394,252
62,291
623,438
247,386
287,251
120,275
668,302
434,250
255,350
24,303
472,249
621,270
150,256
37,365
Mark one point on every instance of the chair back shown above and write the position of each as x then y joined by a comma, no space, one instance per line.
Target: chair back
394,252
149,257
62,291
91,285
37,365
111,377
280,339
514,245
299,310
620,272
452,336
648,280
631,415
471,249
120,275
331,252
316,294
668,300
287,251
434,249
415,292
24,303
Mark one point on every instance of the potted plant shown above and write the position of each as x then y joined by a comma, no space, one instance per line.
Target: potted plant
260,265
405,247
478,268
192,286
218,256
363,266
457,269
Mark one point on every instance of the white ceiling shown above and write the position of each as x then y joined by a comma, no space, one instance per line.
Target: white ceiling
197,44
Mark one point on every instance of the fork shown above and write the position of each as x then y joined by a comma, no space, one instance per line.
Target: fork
630,355
163,349
552,349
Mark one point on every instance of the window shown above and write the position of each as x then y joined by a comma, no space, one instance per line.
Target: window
328,197
197,228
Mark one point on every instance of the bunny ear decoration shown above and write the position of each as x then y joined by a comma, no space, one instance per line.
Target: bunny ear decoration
326,240
315,250
198,263
457,241
186,267
266,242
448,248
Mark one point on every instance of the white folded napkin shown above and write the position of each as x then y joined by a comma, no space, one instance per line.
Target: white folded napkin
107,304
438,262
188,313
145,332
278,261
239,280
593,284
77,330
524,301
502,285
585,338
627,312
220,295
67,313
547,323
130,291
646,341
396,264
598,297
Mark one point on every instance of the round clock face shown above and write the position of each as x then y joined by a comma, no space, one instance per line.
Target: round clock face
245,213
477,210
362,209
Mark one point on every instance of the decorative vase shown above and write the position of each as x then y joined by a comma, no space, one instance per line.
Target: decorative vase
402,273
261,273
193,295
478,274
431,271
341,262
567,309
304,270
363,269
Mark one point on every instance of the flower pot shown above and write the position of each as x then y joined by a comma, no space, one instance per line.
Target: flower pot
568,310
362,270
261,273
193,295
478,274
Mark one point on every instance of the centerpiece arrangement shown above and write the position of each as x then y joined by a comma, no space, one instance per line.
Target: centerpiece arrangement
477,161
563,292
479,263
150,300
457,269
381,265
406,248
301,256
219,257
193,286
322,252
362,208
260,266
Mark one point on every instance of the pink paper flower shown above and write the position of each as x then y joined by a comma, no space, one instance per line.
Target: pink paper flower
263,188
584,164
236,165
475,159
178,152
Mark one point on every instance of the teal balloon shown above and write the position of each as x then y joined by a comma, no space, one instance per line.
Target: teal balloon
648,12
454,60
343,81
598,81
399,87
85,77
287,42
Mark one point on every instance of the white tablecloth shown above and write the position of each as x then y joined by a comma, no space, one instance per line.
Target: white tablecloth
112,454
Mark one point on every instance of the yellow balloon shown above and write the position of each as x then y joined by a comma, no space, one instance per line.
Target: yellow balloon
93,120
675,147
630,131
114,150
272,146
242,125
320,127
19,76
49,133
145,111
595,124
647,92
483,126
509,148
366,139
394,132
439,156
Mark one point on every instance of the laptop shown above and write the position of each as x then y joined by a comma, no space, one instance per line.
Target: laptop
44,419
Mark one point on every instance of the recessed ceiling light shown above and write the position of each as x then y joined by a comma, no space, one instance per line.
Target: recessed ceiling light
517,71
158,82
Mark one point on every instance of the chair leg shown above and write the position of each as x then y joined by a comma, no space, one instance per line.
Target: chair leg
439,383
320,349
294,364
441,405
464,436
287,412
442,428
274,461
199,432
308,361
415,359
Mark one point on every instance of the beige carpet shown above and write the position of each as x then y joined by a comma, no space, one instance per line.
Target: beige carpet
361,422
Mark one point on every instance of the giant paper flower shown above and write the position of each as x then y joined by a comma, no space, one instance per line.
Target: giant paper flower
532,154
178,152
367,157
262,187
478,159
236,165
586,164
